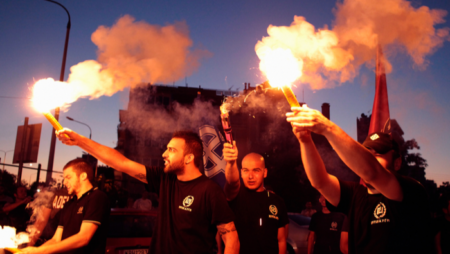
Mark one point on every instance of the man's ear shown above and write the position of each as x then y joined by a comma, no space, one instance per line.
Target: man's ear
397,164
188,158
83,176
265,172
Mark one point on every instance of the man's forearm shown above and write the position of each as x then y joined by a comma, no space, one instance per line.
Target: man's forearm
282,247
361,161
49,242
11,207
232,183
231,243
70,243
325,183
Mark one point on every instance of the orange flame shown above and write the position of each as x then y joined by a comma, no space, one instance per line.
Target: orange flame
279,65
49,94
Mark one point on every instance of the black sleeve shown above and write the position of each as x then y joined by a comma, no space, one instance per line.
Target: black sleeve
154,175
313,222
345,225
97,210
282,214
220,211
347,191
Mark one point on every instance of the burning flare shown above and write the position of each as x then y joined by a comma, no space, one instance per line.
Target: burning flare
328,57
281,69
49,94
226,124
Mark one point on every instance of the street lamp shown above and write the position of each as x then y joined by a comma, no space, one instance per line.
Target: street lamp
51,155
90,130
4,157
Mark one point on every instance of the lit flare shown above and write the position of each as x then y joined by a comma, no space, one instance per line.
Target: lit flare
49,94
281,69
226,124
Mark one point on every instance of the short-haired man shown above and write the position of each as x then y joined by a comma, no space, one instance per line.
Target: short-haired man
83,223
261,216
390,215
191,208
325,231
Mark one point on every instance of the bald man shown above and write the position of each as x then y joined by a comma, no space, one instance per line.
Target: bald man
261,216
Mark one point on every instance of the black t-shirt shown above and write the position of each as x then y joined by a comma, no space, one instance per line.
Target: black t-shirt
188,213
92,207
56,204
380,225
444,229
327,228
259,215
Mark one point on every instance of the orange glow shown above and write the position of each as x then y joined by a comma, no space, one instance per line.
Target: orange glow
281,69
279,65
49,94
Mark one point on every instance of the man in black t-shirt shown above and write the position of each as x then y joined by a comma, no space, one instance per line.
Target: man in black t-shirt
261,216
191,207
17,212
387,215
325,231
83,223
52,201
442,238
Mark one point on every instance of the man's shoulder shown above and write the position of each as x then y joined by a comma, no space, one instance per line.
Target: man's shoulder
411,186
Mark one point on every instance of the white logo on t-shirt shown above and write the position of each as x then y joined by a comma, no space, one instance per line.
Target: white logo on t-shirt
80,210
334,226
274,210
380,211
186,203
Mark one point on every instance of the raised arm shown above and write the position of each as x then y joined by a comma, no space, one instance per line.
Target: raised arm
232,183
107,155
230,237
326,184
354,155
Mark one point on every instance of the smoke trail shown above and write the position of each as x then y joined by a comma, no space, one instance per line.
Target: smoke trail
129,53
42,199
333,56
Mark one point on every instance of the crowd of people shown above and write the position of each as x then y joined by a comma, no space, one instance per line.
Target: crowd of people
384,213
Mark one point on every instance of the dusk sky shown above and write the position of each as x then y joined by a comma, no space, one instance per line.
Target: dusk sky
32,42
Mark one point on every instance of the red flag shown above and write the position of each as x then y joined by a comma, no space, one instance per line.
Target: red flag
380,120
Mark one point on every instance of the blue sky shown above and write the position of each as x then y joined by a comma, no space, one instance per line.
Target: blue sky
31,48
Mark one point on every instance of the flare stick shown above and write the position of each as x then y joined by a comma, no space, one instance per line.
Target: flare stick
290,96
227,127
54,122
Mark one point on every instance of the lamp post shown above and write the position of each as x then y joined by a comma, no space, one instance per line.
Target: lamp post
51,156
90,130
4,157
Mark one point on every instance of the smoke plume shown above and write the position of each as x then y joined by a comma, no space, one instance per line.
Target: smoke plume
129,53
333,56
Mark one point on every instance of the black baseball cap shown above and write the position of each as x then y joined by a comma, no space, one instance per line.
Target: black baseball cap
381,142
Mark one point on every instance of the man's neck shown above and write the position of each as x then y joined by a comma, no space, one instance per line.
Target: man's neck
325,210
84,188
188,174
